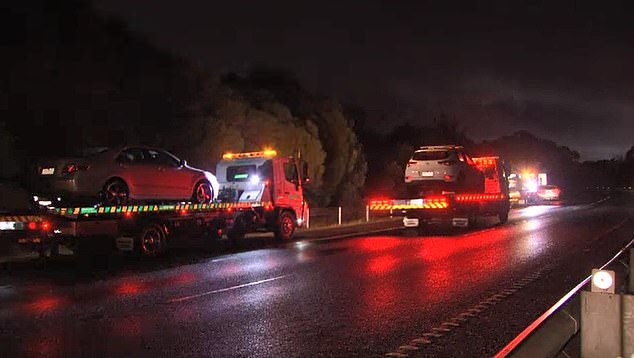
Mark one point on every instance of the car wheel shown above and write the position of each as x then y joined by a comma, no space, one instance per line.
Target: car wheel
203,193
115,192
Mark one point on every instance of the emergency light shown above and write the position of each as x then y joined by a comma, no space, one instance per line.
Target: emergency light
265,153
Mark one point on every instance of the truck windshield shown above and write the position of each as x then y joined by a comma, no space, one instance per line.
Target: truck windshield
241,172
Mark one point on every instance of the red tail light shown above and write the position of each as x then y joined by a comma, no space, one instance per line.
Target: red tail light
448,177
44,225
411,163
72,168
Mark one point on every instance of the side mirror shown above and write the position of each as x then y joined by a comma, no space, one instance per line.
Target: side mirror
305,176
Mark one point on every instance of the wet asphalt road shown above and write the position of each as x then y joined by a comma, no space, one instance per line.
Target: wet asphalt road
363,296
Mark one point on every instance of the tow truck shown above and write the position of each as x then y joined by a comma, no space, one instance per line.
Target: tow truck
259,191
456,209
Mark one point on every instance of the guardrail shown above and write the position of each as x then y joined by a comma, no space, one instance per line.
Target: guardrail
330,216
550,333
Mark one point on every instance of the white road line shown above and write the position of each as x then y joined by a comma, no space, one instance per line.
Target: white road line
187,298
343,236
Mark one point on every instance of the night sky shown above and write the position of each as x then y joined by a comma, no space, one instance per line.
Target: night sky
561,70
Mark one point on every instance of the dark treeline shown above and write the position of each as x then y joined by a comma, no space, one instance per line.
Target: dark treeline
77,78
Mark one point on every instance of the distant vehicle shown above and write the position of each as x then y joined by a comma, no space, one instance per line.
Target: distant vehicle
445,167
548,192
456,209
115,176
23,234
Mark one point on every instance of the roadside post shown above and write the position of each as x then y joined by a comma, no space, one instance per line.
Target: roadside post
601,317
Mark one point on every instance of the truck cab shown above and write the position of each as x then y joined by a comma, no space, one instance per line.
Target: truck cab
277,182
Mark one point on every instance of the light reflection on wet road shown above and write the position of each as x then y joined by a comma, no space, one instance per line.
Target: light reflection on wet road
356,297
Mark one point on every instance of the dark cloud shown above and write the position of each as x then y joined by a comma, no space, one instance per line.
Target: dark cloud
559,69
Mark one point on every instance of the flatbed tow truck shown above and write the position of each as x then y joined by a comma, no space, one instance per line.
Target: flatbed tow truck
259,192
455,209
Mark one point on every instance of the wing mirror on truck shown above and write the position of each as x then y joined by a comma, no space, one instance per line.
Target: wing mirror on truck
305,176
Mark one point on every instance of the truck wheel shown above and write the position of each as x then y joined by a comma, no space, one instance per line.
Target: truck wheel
503,216
285,226
237,230
152,241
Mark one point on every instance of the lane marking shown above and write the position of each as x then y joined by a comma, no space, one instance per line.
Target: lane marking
187,298
353,234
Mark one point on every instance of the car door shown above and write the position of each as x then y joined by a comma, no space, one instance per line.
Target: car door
171,179
133,166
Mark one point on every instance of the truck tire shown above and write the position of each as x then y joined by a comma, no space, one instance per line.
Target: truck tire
503,216
152,241
285,226
237,230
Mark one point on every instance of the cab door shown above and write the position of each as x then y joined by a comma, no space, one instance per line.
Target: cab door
288,191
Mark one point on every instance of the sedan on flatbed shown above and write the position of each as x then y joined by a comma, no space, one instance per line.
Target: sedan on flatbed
117,176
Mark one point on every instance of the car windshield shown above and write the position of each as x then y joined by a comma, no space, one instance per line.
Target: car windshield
430,155
89,152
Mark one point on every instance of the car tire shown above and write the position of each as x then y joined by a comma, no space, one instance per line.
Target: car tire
203,192
115,192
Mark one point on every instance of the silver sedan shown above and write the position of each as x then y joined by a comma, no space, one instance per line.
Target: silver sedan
115,176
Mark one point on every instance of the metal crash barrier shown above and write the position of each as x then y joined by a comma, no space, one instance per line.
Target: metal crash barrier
595,323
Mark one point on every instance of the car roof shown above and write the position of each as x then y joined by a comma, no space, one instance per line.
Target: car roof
440,147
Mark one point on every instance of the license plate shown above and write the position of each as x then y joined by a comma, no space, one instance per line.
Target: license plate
11,225
427,174
48,171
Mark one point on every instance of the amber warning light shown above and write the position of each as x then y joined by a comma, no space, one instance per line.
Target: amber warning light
268,153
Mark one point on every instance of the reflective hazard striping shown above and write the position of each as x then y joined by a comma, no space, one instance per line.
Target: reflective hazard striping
182,208
21,218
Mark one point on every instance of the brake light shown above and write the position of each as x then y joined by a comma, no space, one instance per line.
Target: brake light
72,168
44,225
448,177
411,162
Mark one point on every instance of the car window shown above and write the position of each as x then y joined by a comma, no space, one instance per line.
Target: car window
131,155
430,155
161,158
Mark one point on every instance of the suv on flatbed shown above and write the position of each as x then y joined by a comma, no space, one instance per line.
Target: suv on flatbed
445,167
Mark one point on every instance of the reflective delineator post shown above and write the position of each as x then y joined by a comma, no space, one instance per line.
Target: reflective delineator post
631,285
601,309
308,218
367,213
339,221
